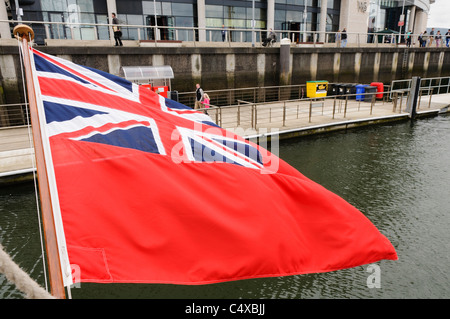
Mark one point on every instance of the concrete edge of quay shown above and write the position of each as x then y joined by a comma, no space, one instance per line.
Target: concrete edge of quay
26,175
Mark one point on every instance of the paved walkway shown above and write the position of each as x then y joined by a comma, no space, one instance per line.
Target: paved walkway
284,118
16,151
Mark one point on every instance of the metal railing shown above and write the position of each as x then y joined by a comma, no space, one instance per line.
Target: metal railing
314,110
14,115
278,105
251,94
97,31
280,114
436,85
251,113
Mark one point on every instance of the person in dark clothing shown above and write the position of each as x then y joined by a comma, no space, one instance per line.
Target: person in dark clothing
116,29
408,38
270,39
344,38
224,33
198,97
447,38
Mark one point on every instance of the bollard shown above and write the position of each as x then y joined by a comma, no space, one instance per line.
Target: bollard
411,104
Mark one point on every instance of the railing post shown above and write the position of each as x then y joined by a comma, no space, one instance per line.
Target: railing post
401,103
420,99
239,115
334,106
256,114
429,102
310,110
395,102
47,31
372,103
217,116
345,108
284,113
252,115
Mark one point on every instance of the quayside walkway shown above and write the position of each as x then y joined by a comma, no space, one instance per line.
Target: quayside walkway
283,119
309,116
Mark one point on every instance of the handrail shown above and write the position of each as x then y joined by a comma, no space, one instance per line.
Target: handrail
278,111
358,38
426,83
268,114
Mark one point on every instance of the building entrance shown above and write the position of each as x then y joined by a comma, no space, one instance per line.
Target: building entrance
292,26
164,24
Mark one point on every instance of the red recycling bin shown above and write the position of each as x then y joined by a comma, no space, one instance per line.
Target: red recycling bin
162,90
380,89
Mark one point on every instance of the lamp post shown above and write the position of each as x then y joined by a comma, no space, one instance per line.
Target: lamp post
18,11
305,16
253,23
402,19
156,22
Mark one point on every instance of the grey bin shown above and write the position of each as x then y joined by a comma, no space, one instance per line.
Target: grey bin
369,89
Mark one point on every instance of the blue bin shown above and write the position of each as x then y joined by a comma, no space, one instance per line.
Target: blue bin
360,90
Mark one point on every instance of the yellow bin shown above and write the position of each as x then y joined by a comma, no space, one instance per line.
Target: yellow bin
316,89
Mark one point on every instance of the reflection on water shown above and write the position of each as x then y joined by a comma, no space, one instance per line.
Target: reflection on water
398,175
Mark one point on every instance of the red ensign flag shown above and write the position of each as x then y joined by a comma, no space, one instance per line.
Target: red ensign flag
151,191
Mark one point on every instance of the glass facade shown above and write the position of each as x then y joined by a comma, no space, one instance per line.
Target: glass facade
301,15
235,16
75,12
167,14
234,19
386,14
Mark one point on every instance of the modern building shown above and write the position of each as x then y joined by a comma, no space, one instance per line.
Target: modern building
202,15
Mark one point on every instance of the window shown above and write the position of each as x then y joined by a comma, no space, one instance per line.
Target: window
169,14
70,13
130,33
235,19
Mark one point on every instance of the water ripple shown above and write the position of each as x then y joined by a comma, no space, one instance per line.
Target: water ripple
397,175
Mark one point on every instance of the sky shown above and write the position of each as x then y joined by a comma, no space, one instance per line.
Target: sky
439,14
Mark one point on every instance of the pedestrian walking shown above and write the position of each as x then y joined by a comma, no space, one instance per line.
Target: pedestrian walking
270,38
198,97
206,103
408,38
447,38
431,37
425,39
224,33
344,38
438,39
117,31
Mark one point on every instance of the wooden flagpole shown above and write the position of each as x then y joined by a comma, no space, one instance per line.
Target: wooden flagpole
26,35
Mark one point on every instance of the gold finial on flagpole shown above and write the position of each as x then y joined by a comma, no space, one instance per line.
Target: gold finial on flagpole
23,31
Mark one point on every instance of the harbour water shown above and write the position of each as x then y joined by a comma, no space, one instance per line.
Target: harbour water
398,175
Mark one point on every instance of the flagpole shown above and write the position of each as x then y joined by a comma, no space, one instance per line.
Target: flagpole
26,35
